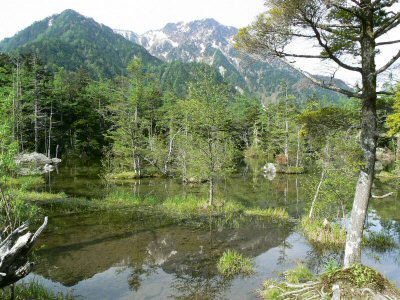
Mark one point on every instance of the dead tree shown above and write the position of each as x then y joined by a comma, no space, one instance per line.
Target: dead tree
14,253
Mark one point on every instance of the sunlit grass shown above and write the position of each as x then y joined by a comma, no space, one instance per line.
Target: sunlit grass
233,263
24,182
299,274
33,290
270,213
37,196
327,236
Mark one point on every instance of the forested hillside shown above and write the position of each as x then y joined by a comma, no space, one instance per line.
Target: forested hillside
72,41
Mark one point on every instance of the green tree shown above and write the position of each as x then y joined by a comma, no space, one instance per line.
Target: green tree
206,147
342,30
393,122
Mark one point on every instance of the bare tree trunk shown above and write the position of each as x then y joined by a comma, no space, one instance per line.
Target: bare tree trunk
286,129
368,142
298,147
50,127
36,110
316,193
211,200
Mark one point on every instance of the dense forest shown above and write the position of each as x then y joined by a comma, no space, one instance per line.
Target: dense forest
179,121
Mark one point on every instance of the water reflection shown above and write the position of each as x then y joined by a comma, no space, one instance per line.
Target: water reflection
143,255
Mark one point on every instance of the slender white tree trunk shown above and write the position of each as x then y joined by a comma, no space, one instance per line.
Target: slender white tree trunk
368,143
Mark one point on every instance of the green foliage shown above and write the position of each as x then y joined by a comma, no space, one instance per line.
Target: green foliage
233,263
299,274
33,290
357,275
332,266
277,214
393,120
74,41
24,183
325,237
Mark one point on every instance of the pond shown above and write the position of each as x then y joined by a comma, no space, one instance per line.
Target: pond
141,254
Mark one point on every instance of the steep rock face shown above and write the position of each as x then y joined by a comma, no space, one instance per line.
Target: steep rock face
211,42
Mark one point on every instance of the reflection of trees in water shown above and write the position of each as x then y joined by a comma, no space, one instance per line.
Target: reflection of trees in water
204,288
317,259
138,274
282,251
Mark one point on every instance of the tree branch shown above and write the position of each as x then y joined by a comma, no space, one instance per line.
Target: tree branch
322,84
387,43
390,62
283,54
390,24
328,50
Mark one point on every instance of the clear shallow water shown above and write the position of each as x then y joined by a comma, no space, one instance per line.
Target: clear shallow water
131,254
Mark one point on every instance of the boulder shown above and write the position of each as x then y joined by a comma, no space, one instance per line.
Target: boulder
269,168
35,163
33,158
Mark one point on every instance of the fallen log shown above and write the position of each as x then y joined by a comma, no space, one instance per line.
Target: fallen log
14,251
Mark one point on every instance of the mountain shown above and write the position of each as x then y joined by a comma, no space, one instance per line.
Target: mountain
211,42
73,41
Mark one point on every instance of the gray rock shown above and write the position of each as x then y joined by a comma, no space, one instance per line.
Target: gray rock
33,158
269,168
56,161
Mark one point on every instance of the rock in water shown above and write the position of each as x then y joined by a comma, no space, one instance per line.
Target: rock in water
35,163
33,158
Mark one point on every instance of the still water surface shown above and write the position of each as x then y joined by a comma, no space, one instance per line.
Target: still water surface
140,254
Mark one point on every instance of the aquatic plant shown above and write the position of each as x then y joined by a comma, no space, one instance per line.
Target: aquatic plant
299,274
233,263
328,235
272,213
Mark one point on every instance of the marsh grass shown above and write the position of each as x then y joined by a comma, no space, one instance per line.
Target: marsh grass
34,196
294,170
33,290
24,182
333,236
330,236
233,263
299,274
270,213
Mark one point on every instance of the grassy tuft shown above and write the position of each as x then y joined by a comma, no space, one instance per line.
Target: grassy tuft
33,290
272,213
38,196
185,206
233,263
329,236
294,170
299,274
